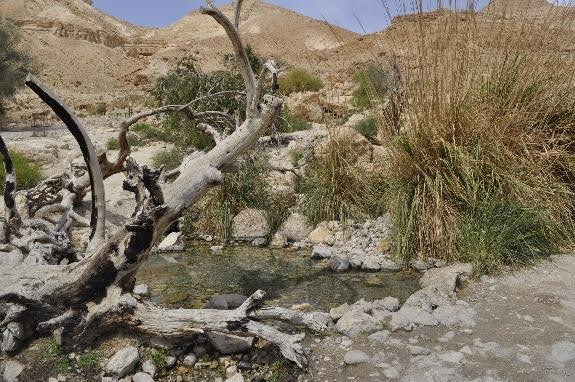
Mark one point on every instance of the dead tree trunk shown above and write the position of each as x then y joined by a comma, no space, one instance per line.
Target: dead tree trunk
88,296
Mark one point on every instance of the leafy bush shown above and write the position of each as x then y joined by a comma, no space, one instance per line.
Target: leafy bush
89,360
299,80
14,63
371,83
186,83
133,141
485,145
247,188
337,187
290,122
368,128
28,174
497,234
170,158
100,108
147,131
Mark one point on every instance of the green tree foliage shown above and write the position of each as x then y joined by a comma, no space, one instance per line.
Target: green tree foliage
13,62
186,83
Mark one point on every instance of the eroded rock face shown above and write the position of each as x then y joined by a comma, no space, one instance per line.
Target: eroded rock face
249,225
123,362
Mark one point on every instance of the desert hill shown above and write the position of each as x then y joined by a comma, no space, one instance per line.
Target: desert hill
88,55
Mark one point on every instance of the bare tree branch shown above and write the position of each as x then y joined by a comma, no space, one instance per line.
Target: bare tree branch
98,219
238,14
12,216
240,52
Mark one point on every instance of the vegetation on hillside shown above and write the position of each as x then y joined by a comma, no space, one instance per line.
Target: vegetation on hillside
13,61
299,80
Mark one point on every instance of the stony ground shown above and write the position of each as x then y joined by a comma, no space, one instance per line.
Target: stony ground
525,332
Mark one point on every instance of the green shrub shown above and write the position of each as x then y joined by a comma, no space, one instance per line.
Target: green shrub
159,357
371,83
14,62
187,82
89,361
28,174
100,108
299,80
147,131
133,141
482,127
336,187
368,127
170,158
247,188
54,353
290,122
497,234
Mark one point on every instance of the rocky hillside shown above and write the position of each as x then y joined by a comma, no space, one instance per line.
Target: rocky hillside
90,56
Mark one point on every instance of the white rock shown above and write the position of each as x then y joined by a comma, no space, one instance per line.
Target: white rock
354,323
217,249
295,228
390,304
445,279
123,362
236,378
11,258
142,290
380,336
279,240
563,351
418,350
391,373
320,235
321,252
142,377
149,367
172,243
190,360
354,357
12,369
170,361
451,356
250,224
337,313
231,371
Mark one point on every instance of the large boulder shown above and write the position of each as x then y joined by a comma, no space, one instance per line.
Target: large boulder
321,235
249,225
355,322
445,279
229,343
172,243
295,228
123,362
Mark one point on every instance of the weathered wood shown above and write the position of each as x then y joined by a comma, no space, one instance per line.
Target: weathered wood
89,295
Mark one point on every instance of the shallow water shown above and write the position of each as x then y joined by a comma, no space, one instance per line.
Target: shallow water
289,277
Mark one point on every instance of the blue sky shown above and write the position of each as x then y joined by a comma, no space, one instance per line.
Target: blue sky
356,15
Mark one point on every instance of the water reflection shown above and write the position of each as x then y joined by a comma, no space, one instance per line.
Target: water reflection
190,279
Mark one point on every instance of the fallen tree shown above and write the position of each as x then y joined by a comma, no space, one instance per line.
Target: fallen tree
92,293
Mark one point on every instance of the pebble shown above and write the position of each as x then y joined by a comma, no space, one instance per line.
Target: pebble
190,360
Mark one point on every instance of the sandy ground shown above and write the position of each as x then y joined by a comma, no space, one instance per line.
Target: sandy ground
525,332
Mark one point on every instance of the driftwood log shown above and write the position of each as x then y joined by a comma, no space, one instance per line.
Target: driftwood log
92,293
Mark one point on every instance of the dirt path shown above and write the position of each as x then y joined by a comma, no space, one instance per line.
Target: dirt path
525,332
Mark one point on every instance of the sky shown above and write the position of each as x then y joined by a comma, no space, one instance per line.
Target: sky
361,16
